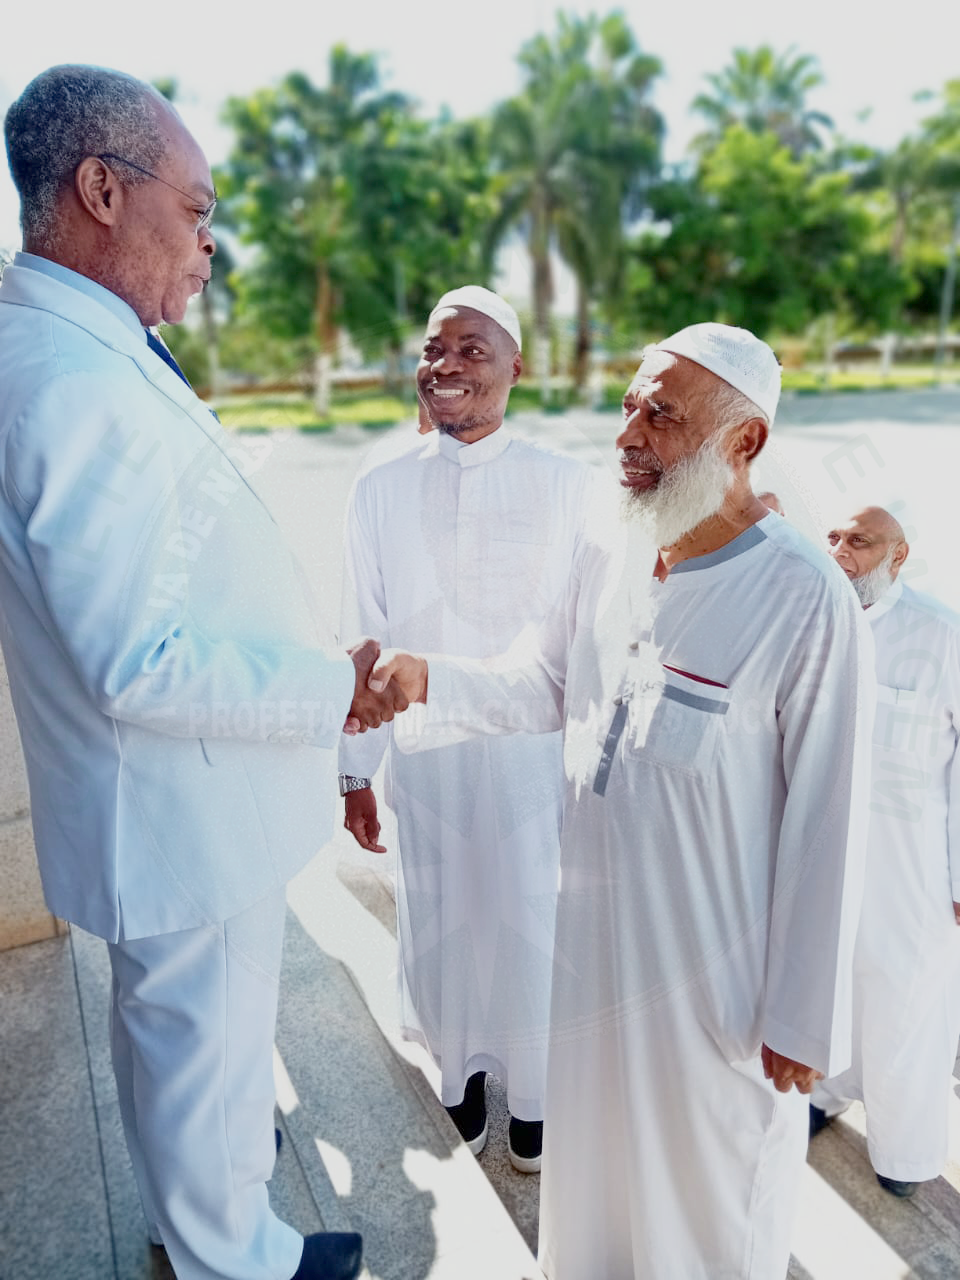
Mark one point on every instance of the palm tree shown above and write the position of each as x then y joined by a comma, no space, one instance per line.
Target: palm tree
287,188
764,91
570,151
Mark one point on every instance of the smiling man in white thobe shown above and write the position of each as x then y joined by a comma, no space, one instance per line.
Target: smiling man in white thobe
907,963
711,868
456,545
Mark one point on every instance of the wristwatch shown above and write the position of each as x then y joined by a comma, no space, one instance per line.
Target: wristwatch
352,784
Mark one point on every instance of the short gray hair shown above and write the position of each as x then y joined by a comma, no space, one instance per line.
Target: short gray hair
66,114
731,406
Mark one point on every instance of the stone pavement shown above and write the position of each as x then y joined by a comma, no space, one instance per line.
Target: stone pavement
366,1144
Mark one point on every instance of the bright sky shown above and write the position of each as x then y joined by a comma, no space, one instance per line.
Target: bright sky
463,56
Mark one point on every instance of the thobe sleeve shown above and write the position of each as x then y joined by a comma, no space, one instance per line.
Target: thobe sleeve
521,691
825,706
953,773
363,613
471,697
90,472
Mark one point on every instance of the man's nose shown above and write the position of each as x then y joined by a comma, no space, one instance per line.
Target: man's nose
633,434
207,243
448,362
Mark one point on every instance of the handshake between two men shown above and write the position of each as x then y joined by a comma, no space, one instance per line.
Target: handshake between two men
386,684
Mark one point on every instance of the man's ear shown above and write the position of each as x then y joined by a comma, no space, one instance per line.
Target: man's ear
97,190
900,555
517,368
751,437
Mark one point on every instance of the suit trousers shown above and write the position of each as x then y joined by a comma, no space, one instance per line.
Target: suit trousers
192,1028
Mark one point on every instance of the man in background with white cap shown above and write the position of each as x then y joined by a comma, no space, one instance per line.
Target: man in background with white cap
456,546
711,867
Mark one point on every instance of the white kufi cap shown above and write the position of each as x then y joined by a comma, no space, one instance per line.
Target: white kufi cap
735,355
487,303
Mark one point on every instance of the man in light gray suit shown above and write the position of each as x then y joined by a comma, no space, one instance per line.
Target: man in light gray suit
178,713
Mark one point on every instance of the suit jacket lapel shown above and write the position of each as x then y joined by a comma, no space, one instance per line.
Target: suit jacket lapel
20,286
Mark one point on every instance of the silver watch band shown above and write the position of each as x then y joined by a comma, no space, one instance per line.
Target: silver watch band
347,783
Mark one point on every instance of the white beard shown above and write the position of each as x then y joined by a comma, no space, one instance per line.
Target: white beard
689,492
875,582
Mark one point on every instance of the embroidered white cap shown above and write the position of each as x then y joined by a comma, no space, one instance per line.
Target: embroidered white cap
487,303
735,355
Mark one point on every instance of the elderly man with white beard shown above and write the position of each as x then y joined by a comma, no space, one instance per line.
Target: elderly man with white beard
715,724
907,959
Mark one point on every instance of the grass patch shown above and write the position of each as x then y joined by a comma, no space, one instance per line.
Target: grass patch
294,411
900,378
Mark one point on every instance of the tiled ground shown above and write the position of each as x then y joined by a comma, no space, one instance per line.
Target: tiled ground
366,1143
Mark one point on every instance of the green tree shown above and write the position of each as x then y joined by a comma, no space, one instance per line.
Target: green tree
761,238
912,191
764,92
942,132
572,152
286,192
356,207
421,201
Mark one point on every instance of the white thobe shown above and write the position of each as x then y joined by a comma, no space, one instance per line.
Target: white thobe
457,548
710,881
907,963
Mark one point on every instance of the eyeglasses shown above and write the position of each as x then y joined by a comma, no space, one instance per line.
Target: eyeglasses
204,216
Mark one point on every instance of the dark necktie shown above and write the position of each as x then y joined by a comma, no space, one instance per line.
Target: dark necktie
154,343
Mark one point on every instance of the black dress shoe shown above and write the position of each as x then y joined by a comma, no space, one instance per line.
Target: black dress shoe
470,1115
902,1189
818,1120
331,1255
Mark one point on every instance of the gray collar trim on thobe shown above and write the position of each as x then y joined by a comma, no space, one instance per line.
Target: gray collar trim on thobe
743,542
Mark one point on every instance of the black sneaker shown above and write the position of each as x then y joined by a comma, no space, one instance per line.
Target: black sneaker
525,1144
902,1189
470,1115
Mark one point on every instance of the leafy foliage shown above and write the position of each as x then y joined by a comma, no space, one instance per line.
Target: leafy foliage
359,212
357,208
573,153
759,238
765,92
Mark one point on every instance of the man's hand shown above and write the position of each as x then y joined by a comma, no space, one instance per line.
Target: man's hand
371,708
956,912
785,1073
405,669
361,819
